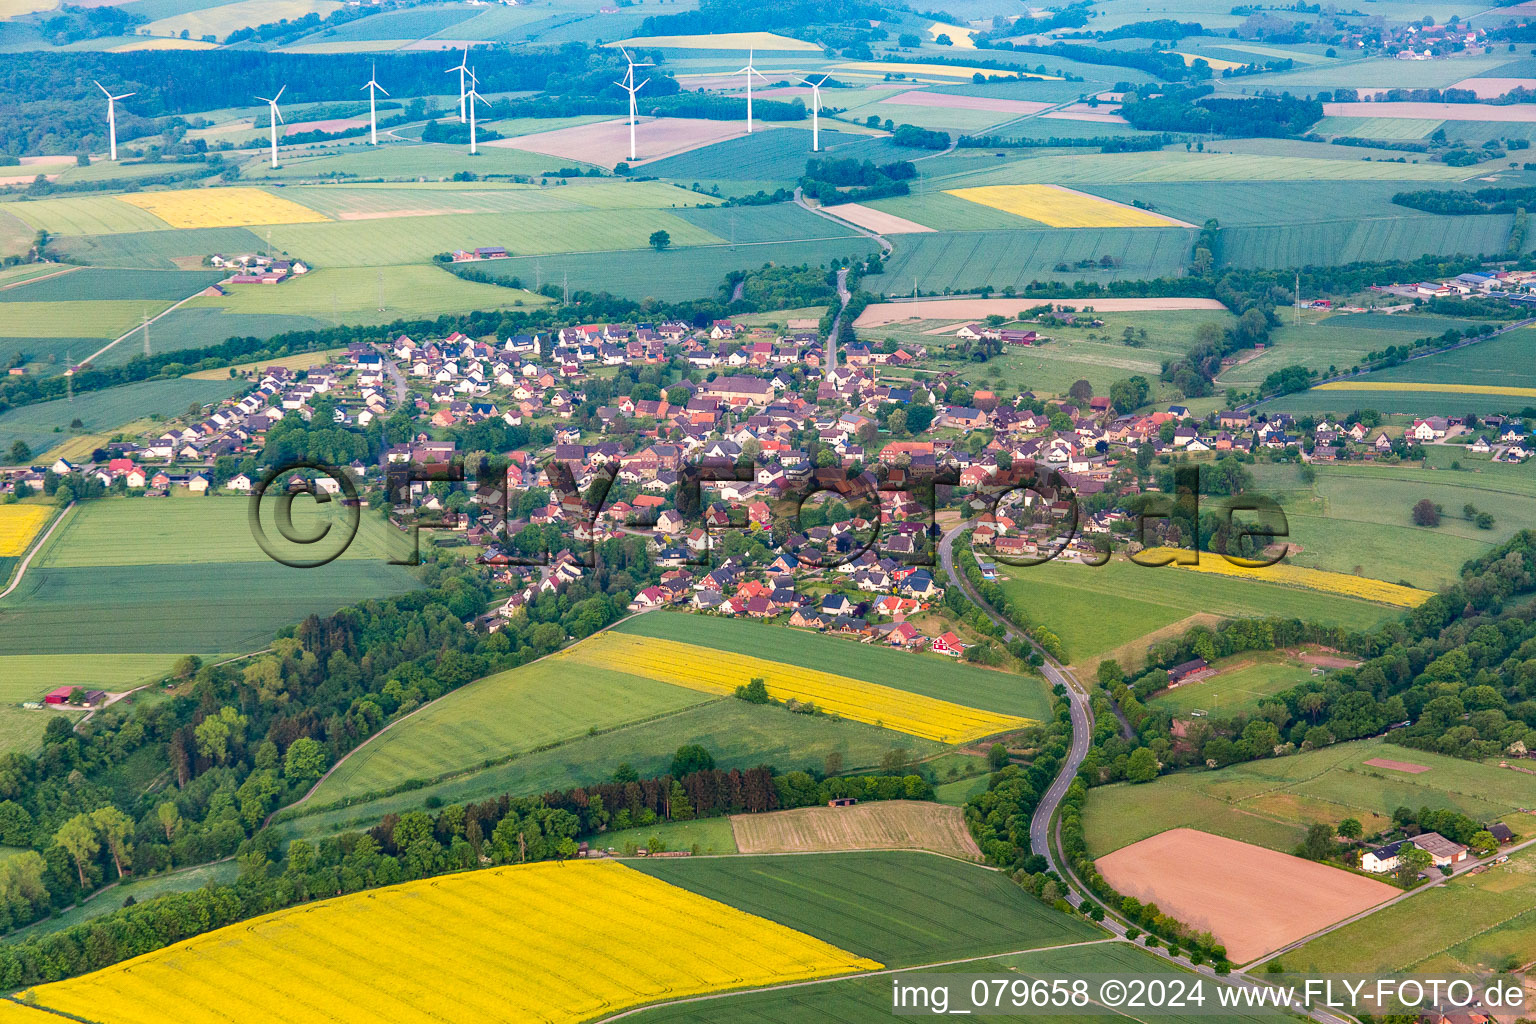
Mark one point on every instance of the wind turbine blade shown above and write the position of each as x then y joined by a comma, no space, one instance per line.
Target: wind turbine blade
641,85
280,93
622,85
101,87
264,99
381,89
125,95
626,54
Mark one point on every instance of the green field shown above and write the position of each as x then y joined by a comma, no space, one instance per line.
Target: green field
82,319
897,908
352,295
365,202
739,735
1342,341
960,260
1240,203
674,275
155,249
96,285
932,675
777,155
191,530
405,161
42,425
704,836
1391,128
1094,610
28,676
85,215
867,1000
1348,241
508,713
1271,802
1173,166
197,327
1474,923
1239,687
179,608
374,243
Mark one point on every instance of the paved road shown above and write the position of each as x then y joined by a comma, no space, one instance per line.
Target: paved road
842,296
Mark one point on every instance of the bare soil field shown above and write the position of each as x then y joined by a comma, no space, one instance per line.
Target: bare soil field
885,825
1426,111
965,310
606,143
1252,899
1094,116
1488,88
1397,766
877,221
924,98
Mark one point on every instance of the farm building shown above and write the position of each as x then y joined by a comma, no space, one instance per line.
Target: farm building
1189,672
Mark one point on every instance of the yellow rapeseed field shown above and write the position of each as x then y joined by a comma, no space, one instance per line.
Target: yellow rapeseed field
221,207
1341,583
1215,63
18,525
704,668
1504,390
1061,207
539,942
15,1013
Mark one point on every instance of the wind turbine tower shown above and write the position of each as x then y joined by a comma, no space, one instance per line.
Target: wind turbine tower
749,71
473,96
462,68
374,88
629,86
277,118
815,111
111,118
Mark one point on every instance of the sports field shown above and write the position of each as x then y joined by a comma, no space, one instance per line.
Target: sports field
931,675
1062,207
358,958
1252,899
1238,687
898,908
702,669
883,825
1271,802
508,713
1472,924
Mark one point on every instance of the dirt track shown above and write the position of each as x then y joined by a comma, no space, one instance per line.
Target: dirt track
1252,899
883,313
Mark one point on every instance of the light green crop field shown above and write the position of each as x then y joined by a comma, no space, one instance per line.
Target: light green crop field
85,215
223,19
156,249
507,713
898,908
374,243
1241,684
43,425
1271,802
942,118
368,295
368,202
1096,609
944,212
28,676
931,675
1384,72
1474,923
703,835
21,730
738,734
1393,128
1319,342
1172,166
105,319
403,161
1347,241
1239,203
194,530
179,608
943,261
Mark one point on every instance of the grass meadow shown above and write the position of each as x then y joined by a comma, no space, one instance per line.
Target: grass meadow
218,873
896,907
1271,802
511,712
931,675
402,161
368,295
1094,610
1473,923
155,249
706,835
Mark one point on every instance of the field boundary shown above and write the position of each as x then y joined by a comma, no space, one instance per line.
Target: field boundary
37,545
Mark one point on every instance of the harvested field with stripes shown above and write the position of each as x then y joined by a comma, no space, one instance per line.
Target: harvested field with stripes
885,825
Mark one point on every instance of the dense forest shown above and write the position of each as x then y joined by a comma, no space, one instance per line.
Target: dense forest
1458,202
1152,108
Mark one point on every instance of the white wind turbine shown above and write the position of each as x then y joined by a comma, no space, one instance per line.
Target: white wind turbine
277,118
473,96
374,87
815,111
462,68
629,86
749,71
112,117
